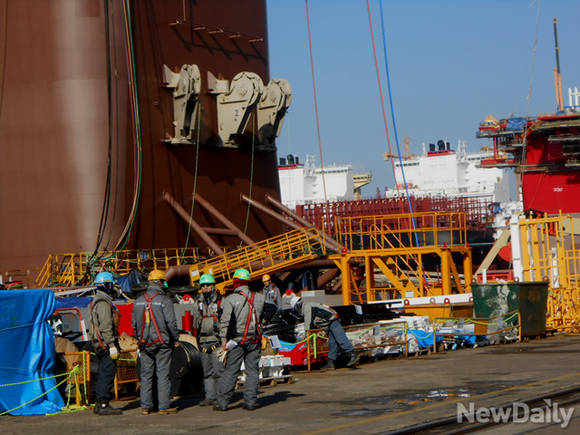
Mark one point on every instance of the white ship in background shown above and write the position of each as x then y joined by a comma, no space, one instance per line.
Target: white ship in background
442,171
302,183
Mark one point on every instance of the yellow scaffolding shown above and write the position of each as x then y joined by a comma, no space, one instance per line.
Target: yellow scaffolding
66,270
397,245
549,253
268,256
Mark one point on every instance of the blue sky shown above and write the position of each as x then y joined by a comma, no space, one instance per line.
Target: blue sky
452,62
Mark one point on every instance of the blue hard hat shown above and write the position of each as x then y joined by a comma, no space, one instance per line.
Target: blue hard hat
104,277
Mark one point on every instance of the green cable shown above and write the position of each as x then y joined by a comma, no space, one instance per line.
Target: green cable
137,125
43,394
194,179
251,182
33,380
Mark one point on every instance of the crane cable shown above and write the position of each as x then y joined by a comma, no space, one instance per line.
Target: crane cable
394,122
316,113
381,95
529,96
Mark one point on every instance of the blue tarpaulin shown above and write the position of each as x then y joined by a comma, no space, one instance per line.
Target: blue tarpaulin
27,352
74,302
424,339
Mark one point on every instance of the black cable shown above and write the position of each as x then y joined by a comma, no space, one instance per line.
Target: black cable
106,199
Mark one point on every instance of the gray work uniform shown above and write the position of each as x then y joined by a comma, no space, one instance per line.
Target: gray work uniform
320,316
249,349
272,295
207,324
103,335
156,338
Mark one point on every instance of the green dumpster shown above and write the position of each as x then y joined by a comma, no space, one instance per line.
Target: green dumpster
495,300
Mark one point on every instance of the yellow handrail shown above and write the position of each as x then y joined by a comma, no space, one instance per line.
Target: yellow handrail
67,269
267,256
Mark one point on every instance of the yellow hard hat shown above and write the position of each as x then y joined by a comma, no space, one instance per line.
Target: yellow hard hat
156,274
266,278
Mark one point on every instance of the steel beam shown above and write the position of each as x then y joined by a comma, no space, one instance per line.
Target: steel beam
193,224
224,220
330,241
220,231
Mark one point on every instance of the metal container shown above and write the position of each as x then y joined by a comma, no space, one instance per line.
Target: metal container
495,300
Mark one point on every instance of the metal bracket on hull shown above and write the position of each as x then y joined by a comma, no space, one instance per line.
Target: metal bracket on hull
271,110
186,87
235,105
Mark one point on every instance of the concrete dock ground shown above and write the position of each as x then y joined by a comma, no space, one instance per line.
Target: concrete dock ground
378,397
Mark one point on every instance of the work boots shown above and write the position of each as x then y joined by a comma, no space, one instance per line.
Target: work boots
102,407
329,366
352,360
167,411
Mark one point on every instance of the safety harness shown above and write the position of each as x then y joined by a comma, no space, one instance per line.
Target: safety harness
213,316
251,312
202,310
148,316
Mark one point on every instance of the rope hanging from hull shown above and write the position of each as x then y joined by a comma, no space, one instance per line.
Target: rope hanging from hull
316,108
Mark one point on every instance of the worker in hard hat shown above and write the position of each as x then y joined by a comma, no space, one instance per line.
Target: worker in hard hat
241,334
271,292
320,316
207,315
155,327
104,337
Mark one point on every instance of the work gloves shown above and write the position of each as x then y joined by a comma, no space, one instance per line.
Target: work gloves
113,352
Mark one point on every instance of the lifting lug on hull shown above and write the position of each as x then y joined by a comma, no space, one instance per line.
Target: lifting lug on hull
235,105
272,109
186,87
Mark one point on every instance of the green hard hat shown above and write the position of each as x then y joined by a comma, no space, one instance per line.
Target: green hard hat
242,274
206,278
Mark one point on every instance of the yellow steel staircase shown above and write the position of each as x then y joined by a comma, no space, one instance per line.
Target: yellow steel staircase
268,256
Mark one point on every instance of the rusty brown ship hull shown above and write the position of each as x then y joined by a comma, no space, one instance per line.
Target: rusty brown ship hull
67,129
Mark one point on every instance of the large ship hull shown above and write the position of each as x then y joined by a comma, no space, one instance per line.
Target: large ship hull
66,121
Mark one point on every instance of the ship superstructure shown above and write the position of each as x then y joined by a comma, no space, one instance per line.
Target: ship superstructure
305,183
545,152
443,171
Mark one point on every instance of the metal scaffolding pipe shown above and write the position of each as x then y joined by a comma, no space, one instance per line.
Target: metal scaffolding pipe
333,243
289,212
270,212
224,220
326,277
193,224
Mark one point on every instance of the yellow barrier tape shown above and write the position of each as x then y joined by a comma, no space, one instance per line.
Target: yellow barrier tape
73,371
33,380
